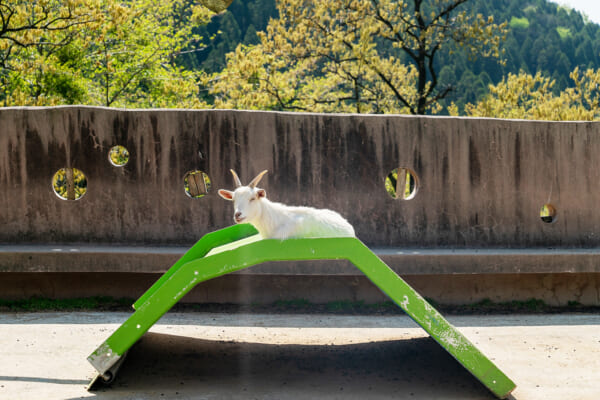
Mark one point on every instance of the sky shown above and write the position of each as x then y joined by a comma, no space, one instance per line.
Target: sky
591,8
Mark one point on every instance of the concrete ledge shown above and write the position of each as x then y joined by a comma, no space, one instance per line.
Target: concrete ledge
73,258
405,261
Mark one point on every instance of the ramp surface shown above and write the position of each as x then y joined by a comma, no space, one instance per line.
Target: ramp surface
238,247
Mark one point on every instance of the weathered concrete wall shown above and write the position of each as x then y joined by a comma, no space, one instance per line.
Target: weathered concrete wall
472,231
482,181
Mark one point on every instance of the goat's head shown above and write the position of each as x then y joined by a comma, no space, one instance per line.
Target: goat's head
246,199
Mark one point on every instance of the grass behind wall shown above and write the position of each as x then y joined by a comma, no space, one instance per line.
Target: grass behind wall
297,306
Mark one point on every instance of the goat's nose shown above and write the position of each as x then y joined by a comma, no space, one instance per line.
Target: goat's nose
237,215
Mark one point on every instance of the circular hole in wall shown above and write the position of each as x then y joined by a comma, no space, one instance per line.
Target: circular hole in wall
548,213
69,183
118,156
196,184
402,183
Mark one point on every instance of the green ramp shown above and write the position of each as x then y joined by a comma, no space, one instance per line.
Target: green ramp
237,247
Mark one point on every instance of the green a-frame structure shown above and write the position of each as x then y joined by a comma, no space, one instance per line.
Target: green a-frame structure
237,247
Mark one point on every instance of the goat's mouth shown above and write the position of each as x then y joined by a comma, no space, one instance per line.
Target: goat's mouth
239,220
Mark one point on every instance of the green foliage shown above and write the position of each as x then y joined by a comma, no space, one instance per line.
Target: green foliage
246,17
36,304
330,56
133,57
216,5
34,67
118,155
391,184
292,304
105,303
99,52
519,23
524,96
563,32
529,306
69,183
151,53
554,42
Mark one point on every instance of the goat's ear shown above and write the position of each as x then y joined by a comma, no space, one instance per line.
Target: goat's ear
226,194
261,193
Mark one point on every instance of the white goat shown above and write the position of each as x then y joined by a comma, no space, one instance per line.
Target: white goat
279,221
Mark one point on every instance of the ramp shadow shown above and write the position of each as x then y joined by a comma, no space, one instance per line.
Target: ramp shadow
166,366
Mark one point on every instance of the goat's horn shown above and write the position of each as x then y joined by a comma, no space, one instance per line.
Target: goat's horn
238,183
257,179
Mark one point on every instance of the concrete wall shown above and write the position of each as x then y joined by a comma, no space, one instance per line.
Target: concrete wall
482,182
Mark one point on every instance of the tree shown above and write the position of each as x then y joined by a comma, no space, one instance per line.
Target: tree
359,55
423,28
50,23
321,74
523,96
132,60
120,53
32,36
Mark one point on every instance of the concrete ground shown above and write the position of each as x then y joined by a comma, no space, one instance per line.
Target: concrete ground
258,356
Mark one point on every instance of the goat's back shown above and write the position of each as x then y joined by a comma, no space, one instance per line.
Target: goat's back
313,222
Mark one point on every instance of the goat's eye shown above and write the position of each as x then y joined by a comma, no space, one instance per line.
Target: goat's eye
252,199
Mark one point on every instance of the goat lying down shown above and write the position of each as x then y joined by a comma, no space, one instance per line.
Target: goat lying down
279,221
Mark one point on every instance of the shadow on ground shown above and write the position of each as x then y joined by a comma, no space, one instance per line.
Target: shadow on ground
176,367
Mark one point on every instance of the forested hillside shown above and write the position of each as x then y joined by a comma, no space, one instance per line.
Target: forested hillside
535,59
542,37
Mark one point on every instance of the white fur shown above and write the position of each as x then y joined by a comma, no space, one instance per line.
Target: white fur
279,221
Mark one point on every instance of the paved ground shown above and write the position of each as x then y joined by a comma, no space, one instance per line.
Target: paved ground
250,356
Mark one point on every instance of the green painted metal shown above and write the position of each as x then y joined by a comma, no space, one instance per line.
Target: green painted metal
237,247
199,250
